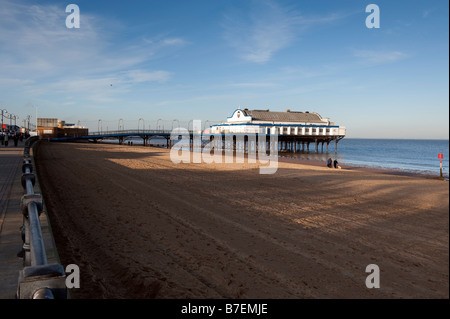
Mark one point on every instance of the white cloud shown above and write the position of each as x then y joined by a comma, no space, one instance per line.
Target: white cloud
379,57
426,13
173,41
38,53
138,76
253,85
268,28
260,33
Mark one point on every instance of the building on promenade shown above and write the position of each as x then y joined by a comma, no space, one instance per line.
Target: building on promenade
52,128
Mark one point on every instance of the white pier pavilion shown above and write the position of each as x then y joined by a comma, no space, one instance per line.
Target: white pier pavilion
295,130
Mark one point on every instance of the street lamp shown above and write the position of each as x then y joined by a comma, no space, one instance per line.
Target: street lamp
174,121
28,122
3,114
158,127
143,124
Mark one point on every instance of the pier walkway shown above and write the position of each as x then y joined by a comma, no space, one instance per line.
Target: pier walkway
11,219
284,142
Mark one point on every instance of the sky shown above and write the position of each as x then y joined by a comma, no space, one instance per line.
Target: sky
167,62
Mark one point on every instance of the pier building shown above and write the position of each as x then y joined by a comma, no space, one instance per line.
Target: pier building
295,130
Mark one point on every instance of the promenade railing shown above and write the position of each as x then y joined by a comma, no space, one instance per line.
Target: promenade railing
38,279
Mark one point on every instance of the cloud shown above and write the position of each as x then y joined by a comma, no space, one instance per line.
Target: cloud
253,85
35,41
173,41
379,57
267,28
426,13
138,76
258,34
39,54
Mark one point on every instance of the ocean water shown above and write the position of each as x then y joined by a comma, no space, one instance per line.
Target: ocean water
412,156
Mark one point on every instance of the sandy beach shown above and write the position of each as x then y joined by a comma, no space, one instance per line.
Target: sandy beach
140,226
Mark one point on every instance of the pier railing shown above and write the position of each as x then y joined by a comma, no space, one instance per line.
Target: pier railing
38,279
128,132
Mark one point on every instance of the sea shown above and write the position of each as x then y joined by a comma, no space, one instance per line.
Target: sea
402,155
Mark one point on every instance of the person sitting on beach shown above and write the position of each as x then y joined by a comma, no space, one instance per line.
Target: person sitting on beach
336,165
329,163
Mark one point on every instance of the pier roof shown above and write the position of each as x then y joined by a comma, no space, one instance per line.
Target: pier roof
288,116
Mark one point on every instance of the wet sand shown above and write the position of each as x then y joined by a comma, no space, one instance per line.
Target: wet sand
139,226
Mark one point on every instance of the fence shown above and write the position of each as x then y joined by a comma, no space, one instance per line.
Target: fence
38,279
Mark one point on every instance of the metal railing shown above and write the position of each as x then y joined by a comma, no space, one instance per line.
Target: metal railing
38,279
129,132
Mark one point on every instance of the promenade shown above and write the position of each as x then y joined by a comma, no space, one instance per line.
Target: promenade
11,219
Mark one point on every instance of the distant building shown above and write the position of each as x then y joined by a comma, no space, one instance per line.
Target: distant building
51,128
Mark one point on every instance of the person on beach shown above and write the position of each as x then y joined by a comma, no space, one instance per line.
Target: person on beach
329,162
336,164
6,140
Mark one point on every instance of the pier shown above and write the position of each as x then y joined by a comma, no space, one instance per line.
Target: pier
294,143
293,131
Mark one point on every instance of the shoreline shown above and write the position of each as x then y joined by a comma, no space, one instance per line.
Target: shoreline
367,169
287,158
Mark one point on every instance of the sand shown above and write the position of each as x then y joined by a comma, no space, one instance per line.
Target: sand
139,226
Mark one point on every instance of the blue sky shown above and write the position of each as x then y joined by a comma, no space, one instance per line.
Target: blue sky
189,60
